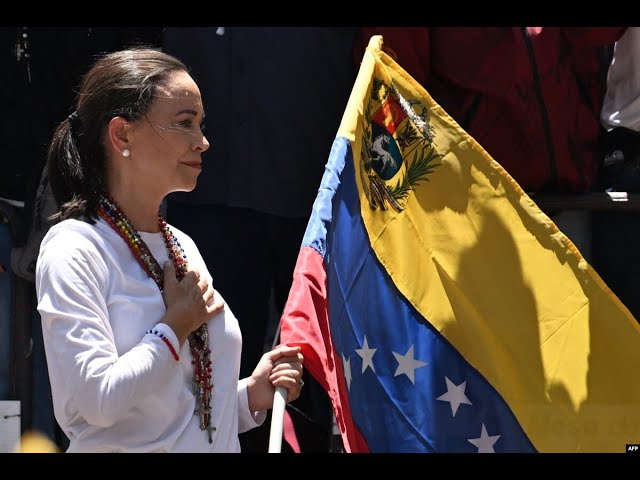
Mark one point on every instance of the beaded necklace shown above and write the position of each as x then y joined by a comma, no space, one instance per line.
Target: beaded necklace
199,339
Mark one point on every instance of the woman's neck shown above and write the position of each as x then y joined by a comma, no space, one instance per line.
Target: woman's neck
140,208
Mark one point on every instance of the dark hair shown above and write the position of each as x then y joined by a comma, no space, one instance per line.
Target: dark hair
119,84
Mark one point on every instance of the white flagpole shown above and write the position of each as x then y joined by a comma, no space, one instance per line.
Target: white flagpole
277,420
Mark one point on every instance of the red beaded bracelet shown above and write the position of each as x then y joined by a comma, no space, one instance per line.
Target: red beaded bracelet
166,340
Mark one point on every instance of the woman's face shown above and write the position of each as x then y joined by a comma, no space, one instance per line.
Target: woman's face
166,145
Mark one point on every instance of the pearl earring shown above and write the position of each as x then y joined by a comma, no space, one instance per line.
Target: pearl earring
126,152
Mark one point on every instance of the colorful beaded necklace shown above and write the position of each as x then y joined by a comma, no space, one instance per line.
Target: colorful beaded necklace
199,339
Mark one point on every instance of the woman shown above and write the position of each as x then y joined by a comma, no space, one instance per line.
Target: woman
142,354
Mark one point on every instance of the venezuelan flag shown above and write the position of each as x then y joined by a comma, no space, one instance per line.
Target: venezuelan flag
442,310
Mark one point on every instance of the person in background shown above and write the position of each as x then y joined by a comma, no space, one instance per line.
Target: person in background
616,258
277,97
135,336
530,96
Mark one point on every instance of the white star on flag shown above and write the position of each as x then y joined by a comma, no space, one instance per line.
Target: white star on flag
347,371
367,355
407,364
455,395
485,442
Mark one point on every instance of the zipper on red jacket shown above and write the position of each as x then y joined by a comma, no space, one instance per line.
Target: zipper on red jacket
546,126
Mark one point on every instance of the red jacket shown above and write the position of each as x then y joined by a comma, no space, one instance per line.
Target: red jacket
532,100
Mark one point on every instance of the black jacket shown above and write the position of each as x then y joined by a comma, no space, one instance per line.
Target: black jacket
273,100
